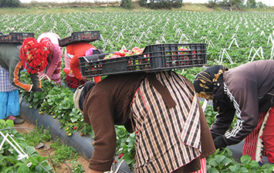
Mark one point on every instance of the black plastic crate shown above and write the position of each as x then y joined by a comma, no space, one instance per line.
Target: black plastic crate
84,36
160,57
5,38
15,37
169,56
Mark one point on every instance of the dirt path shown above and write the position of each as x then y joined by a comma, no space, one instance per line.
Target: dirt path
27,127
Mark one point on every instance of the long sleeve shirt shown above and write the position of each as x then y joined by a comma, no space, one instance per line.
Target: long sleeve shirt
108,104
246,91
10,60
53,70
5,85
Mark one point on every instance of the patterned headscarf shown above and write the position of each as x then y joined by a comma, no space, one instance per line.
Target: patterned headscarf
207,82
33,55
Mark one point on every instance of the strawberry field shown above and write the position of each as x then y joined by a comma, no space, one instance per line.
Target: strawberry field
232,38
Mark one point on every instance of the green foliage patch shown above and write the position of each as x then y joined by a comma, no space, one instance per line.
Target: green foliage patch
9,157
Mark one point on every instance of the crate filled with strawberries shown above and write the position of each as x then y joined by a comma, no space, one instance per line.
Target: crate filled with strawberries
84,36
153,58
15,37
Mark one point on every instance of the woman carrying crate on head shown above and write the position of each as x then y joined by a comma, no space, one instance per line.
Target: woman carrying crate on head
171,130
75,49
172,134
72,64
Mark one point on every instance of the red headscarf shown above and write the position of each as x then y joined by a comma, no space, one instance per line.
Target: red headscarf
46,41
78,50
34,55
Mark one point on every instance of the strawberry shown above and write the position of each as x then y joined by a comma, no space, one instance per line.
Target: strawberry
121,155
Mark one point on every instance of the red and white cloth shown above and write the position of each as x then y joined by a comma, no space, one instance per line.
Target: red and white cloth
267,137
203,166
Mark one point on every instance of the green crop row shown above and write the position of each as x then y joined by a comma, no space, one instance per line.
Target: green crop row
232,38
243,36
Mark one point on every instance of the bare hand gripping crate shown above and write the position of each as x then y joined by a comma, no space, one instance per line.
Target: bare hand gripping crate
84,36
155,58
15,37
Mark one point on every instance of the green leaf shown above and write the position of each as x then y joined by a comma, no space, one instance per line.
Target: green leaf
23,169
30,150
2,124
73,119
213,162
227,161
213,170
234,168
220,158
253,164
245,159
10,123
243,170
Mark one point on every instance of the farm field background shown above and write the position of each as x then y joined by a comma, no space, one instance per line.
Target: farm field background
232,38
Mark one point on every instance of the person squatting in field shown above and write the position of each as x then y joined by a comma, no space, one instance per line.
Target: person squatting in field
31,56
53,70
73,52
172,134
248,92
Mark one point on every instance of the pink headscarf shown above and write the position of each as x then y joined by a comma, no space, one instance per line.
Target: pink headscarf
89,52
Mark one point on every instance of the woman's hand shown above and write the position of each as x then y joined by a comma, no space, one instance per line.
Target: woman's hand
84,79
93,171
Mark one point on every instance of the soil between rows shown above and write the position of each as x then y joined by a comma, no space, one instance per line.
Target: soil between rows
46,151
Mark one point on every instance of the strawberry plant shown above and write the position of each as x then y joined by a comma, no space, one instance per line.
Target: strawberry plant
68,116
232,39
9,157
210,114
125,148
222,161
35,98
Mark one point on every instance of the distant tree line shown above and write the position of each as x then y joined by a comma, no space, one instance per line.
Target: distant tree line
235,4
9,3
158,4
226,4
